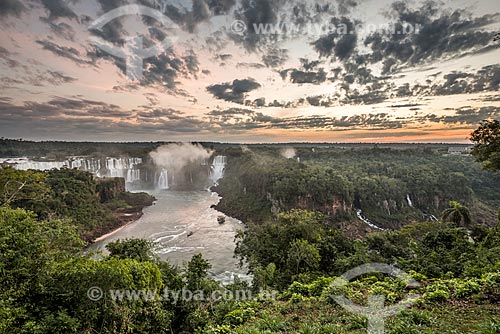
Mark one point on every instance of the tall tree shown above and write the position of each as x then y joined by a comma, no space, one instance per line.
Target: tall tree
457,213
487,144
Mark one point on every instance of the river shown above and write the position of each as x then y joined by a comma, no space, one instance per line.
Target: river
175,215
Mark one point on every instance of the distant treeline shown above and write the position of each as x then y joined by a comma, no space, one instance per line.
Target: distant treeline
61,149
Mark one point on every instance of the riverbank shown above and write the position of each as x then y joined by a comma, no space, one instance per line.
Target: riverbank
125,208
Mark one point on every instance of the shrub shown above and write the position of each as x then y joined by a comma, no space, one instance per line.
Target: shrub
239,316
466,288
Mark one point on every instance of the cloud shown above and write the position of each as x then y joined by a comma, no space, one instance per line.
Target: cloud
58,8
160,112
61,29
434,33
11,7
254,13
235,119
486,79
275,57
303,77
63,51
55,78
472,116
8,57
235,91
340,43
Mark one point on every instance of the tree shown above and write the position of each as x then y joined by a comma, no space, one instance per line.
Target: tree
457,213
303,256
136,249
196,272
487,144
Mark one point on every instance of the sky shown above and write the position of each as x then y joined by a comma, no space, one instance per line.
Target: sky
248,70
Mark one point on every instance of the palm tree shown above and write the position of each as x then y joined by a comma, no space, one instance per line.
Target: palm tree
457,213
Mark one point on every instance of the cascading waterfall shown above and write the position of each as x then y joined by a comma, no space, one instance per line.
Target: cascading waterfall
217,168
408,199
162,183
365,220
126,168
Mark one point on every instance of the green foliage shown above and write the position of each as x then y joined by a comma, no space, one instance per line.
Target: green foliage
303,257
26,189
377,180
294,243
71,195
437,293
136,249
44,278
487,148
239,316
457,214
196,273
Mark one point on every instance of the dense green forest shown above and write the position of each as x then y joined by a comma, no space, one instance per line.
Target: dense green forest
94,206
293,245
392,186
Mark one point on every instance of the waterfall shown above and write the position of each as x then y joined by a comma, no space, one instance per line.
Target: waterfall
133,175
26,164
126,168
162,180
217,168
365,220
408,199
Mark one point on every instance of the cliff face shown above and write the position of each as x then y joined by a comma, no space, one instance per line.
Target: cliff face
336,207
109,188
123,207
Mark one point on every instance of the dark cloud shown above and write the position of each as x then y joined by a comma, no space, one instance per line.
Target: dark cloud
244,119
61,29
223,57
487,79
254,13
472,116
340,43
235,91
406,105
275,57
303,77
434,33
489,98
162,71
160,112
165,69
189,18
230,112
59,107
55,78
8,57
259,103
58,8
251,65
58,78
309,65
113,31
63,51
11,7
346,6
